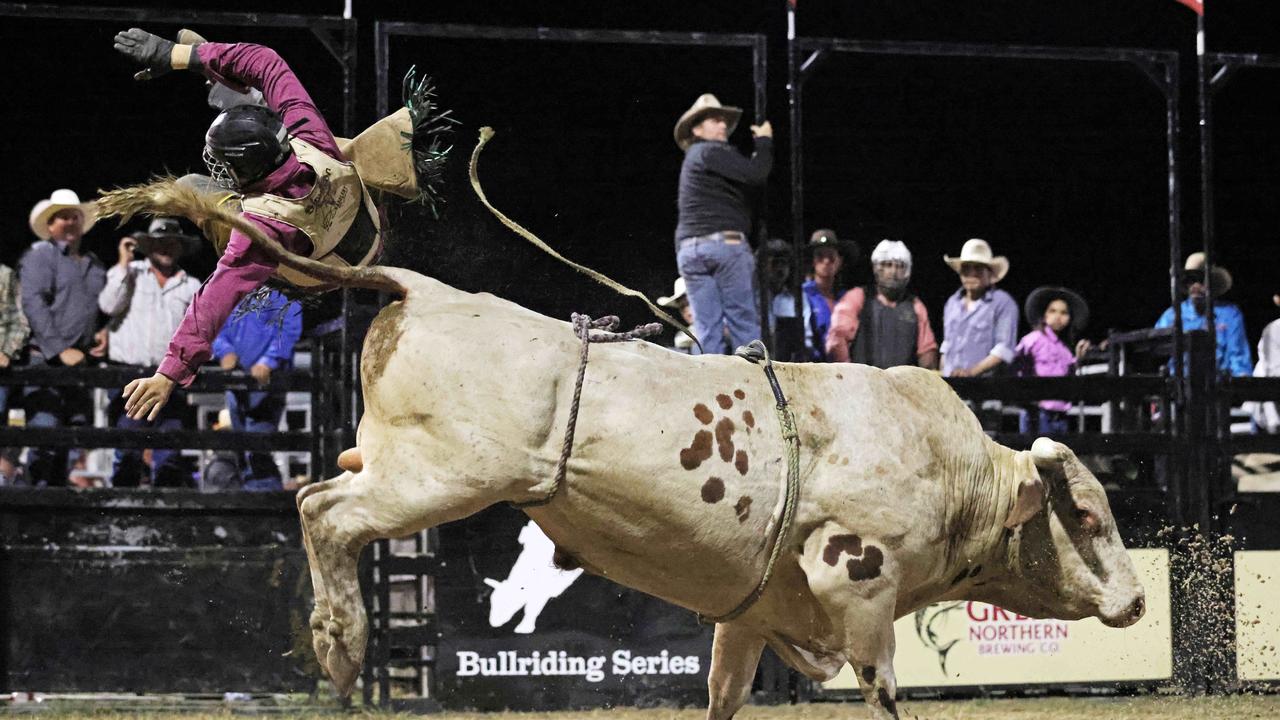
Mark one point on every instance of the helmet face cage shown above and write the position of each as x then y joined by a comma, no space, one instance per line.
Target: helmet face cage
222,174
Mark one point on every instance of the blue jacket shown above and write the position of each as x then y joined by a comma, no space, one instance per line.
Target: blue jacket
817,320
265,334
1233,344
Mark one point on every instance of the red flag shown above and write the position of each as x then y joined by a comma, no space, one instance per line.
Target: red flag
1196,5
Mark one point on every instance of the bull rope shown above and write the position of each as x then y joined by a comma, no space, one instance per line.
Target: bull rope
756,352
582,327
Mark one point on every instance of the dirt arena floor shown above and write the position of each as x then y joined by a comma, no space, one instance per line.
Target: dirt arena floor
1126,708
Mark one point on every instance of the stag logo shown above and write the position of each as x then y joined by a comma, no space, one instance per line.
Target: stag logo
532,581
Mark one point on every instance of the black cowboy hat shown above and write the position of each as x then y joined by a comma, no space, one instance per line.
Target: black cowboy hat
166,230
1040,298
826,238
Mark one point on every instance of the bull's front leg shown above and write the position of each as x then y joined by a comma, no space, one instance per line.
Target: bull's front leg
855,579
735,654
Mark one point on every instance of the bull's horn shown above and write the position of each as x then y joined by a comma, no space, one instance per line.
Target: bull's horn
1047,453
492,583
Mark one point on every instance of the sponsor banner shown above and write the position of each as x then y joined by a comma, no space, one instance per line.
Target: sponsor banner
1258,615
519,634
971,643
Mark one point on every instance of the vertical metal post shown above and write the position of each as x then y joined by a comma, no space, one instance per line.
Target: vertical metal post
760,76
794,86
382,59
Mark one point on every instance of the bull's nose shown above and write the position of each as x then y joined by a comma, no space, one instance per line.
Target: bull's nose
1138,608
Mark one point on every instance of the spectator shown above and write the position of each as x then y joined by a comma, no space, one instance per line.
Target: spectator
12,474
679,301
712,252
820,291
980,321
60,286
1232,343
1266,417
145,301
259,338
1057,316
13,330
891,330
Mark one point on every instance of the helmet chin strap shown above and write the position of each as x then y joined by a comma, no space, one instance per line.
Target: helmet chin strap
892,292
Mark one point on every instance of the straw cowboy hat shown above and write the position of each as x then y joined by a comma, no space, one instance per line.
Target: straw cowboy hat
976,250
702,107
166,231
61,199
677,295
1040,298
1221,278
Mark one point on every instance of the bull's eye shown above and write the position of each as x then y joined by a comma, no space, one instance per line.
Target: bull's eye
1087,518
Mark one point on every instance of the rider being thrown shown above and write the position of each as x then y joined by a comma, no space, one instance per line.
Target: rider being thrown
285,169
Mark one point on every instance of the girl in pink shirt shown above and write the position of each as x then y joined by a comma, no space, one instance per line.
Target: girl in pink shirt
1058,315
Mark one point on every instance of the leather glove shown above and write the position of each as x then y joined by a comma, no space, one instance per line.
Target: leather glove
156,55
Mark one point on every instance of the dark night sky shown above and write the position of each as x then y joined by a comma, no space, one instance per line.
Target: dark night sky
1060,166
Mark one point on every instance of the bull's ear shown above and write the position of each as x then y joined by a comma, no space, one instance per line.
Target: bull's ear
1030,501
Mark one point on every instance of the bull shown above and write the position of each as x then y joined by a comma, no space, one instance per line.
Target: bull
675,485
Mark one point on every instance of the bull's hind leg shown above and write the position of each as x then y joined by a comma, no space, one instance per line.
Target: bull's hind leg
855,580
344,517
735,653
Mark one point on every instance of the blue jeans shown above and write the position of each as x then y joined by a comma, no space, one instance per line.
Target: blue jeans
167,468
1046,422
720,280
260,412
49,407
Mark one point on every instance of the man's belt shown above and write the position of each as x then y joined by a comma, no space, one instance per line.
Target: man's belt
728,237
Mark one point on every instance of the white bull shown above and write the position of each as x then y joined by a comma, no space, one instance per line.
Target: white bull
674,487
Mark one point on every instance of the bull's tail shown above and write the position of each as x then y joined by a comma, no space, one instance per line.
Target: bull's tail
165,196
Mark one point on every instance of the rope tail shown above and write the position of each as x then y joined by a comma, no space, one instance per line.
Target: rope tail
486,133
166,196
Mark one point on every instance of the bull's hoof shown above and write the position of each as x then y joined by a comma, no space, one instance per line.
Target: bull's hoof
344,655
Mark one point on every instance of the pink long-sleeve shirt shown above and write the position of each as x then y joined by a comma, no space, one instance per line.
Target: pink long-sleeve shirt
243,267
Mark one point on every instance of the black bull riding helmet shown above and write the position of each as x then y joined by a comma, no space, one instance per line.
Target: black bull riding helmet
244,144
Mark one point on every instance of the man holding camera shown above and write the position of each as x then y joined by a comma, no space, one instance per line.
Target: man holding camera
146,297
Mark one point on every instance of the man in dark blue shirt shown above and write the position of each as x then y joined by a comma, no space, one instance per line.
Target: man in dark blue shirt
712,251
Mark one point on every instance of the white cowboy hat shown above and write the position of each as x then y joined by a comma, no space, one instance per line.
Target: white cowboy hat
60,200
705,105
1221,278
677,294
976,250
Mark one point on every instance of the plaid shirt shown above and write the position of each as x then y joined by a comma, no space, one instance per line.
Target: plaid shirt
13,324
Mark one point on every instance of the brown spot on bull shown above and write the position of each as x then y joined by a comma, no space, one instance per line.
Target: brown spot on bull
713,490
724,439
743,508
839,376
832,458
844,461
703,413
724,401
698,450
817,414
749,419
739,394
868,566
740,462
380,342
869,673
851,544
887,702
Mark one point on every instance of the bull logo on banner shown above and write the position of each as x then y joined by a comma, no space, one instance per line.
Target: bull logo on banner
532,582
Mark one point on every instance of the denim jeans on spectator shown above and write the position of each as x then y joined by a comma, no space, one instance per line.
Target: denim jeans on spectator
167,468
49,407
720,280
1045,422
257,411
